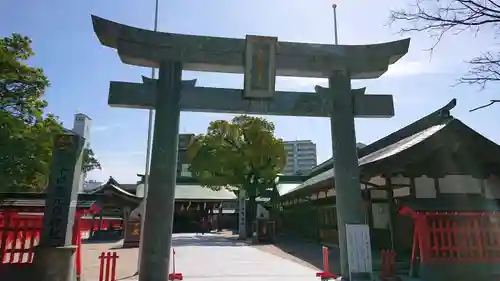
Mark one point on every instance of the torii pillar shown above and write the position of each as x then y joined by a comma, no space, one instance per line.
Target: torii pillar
174,52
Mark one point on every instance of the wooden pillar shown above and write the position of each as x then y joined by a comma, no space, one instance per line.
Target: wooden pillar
436,187
100,221
125,218
317,221
413,188
392,210
369,206
211,211
92,225
219,218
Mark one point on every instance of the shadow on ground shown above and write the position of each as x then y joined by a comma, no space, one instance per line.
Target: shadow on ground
206,240
90,241
308,251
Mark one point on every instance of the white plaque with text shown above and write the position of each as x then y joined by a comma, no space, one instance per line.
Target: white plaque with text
359,251
242,213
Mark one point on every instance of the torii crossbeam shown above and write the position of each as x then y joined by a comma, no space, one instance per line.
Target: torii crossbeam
221,100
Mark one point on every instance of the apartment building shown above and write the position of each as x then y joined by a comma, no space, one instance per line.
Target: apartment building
182,159
301,156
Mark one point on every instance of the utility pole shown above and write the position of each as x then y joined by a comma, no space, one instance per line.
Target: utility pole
334,6
148,154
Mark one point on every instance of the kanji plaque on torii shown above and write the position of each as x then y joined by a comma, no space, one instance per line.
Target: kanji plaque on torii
260,59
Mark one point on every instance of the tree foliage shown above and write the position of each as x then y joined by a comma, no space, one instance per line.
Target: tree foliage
26,132
439,18
242,153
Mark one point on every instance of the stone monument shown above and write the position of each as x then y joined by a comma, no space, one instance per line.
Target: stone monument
54,256
261,59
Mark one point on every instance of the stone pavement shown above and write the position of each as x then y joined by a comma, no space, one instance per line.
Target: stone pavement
126,265
303,251
211,256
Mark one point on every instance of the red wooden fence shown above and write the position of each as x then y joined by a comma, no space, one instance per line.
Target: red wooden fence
107,269
87,224
456,237
388,270
18,236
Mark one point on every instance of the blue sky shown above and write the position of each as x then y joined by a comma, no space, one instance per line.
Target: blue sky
80,69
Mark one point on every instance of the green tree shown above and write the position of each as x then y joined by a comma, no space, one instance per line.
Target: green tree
452,17
242,153
90,162
26,133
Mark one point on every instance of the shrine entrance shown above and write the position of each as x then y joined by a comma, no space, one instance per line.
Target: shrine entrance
260,59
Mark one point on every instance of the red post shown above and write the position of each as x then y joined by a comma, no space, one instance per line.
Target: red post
107,264
393,270
107,269
388,264
326,264
14,239
325,274
383,264
113,266
174,275
101,266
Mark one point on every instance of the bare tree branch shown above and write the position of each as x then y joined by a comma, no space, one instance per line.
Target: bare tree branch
484,69
441,17
486,105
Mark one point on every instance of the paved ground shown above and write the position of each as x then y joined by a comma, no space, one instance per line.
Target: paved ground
303,251
211,256
126,265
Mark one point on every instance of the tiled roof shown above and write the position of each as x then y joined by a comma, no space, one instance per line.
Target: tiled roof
284,188
376,156
197,192
434,118
436,128
193,192
114,187
37,200
451,132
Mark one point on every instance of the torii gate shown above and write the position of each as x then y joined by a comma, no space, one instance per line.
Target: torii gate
261,59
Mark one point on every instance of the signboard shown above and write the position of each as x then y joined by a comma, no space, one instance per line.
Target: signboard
132,234
359,252
242,214
260,67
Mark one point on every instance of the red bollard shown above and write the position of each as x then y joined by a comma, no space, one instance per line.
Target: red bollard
107,269
326,274
174,275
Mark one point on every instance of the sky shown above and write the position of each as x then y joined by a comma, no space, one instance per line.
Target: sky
80,68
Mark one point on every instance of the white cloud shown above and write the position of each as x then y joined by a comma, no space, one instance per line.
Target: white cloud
99,128
299,83
399,69
409,68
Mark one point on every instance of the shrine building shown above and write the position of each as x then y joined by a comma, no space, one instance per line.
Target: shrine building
431,193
